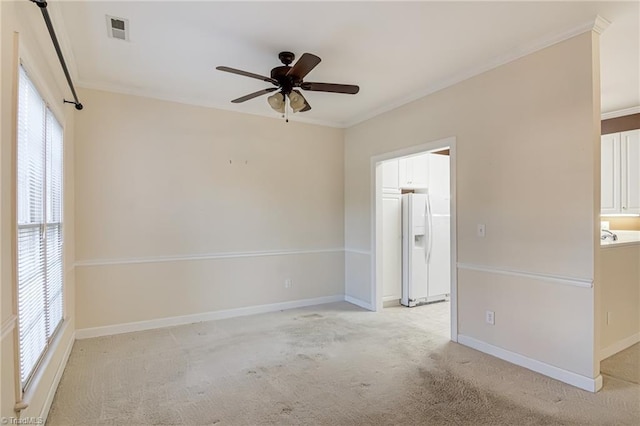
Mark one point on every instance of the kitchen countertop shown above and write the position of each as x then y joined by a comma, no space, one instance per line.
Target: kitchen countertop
625,238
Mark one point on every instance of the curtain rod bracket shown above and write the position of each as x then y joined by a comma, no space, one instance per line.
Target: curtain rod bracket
77,104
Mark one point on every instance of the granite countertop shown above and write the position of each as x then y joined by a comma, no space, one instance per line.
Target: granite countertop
625,238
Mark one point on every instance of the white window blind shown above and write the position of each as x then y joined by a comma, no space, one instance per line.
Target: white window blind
39,205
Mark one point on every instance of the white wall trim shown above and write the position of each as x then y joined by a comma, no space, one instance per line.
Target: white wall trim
108,330
360,303
569,377
620,113
8,325
596,24
206,256
619,346
358,251
42,84
600,24
197,102
56,379
558,279
376,222
36,385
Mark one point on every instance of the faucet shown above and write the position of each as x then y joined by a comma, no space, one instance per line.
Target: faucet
604,233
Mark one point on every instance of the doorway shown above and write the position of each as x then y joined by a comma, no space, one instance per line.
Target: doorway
414,232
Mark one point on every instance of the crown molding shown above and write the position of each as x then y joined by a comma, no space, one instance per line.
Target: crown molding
600,24
620,113
597,24
187,100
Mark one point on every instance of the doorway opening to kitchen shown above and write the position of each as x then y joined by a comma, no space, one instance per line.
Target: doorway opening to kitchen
414,236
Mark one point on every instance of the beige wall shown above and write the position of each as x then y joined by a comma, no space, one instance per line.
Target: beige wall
540,211
159,183
620,296
38,55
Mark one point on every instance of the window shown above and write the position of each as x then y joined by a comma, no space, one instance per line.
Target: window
39,214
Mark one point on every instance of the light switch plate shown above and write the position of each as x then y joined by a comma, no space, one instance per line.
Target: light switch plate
481,230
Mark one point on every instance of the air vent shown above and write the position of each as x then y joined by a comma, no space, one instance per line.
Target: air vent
118,28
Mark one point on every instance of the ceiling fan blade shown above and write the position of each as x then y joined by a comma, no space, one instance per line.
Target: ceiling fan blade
254,95
304,65
307,107
248,74
330,87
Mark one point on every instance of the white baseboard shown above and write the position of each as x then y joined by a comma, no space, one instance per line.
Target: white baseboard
358,302
108,330
56,379
618,346
569,377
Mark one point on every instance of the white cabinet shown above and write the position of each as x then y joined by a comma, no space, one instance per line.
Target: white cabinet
392,247
407,173
630,171
414,171
620,173
610,174
390,182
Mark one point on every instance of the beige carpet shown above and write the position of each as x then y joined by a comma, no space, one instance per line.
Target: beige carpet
328,365
624,365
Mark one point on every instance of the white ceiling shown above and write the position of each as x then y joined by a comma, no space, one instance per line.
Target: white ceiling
394,51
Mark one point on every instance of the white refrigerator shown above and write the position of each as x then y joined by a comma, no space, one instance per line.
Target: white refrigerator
426,255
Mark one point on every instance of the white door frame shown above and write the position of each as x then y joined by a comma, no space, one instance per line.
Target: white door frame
376,222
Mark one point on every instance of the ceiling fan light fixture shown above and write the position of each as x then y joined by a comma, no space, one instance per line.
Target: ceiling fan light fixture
286,78
296,102
276,101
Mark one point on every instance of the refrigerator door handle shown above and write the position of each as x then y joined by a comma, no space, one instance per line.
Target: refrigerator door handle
426,229
430,227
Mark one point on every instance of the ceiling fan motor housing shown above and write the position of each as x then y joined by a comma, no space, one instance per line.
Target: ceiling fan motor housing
287,82
286,57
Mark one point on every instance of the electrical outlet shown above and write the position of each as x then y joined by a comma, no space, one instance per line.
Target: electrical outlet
481,230
490,317
287,283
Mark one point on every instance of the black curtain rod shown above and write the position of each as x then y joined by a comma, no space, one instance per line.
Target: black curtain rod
47,20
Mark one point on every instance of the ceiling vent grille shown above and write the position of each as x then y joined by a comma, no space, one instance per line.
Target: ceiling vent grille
118,28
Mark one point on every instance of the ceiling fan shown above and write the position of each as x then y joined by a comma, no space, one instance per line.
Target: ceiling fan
287,79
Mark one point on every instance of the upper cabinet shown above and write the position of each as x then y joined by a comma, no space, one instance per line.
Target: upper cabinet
610,174
416,172
620,173
390,182
630,170
413,172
